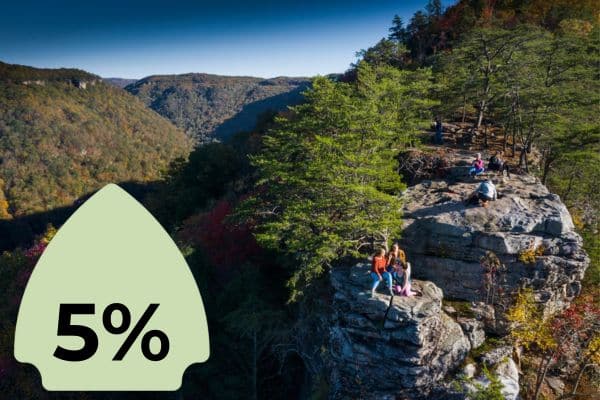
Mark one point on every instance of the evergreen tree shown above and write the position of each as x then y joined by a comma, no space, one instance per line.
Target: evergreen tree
398,32
418,30
434,8
328,185
385,52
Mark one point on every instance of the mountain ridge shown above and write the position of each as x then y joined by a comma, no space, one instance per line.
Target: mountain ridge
64,133
212,107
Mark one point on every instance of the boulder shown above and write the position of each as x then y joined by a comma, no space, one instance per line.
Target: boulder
413,348
499,364
473,329
444,239
508,373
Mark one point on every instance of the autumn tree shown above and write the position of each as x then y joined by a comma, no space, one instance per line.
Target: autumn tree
570,335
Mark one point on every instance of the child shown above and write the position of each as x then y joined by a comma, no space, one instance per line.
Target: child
406,286
477,166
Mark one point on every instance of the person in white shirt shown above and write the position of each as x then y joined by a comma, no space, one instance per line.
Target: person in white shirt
485,193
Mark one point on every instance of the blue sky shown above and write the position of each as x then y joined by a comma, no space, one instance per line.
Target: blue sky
133,39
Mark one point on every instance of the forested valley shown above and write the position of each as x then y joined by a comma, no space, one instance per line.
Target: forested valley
264,216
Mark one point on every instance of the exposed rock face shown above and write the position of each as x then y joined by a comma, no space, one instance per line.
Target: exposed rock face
473,328
415,352
445,239
417,345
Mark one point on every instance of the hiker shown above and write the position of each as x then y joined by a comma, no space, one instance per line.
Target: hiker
476,166
439,139
395,259
378,272
486,191
406,281
496,163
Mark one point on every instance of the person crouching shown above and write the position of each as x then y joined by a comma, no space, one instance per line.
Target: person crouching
486,192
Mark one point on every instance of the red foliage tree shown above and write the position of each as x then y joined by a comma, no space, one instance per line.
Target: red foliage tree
227,245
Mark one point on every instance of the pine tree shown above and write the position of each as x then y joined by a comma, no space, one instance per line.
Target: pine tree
434,8
398,32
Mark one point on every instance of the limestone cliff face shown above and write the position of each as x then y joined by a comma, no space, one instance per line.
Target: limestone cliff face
445,240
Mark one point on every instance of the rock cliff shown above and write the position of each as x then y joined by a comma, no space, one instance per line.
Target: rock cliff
372,358
445,239
415,350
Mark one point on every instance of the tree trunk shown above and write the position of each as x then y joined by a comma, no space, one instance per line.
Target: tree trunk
514,139
523,159
481,112
518,351
540,380
254,367
579,376
485,136
547,164
569,188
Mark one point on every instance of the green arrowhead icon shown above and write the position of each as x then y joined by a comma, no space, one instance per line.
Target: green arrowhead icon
111,251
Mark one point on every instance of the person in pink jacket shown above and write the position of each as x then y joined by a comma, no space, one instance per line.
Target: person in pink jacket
476,166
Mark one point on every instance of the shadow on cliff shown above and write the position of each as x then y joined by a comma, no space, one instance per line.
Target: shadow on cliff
246,119
21,231
436,209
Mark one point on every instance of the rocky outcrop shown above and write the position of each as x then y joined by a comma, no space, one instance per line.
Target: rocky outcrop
474,329
445,239
403,355
414,351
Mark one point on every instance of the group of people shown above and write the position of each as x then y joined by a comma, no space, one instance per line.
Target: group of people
486,191
391,268
496,163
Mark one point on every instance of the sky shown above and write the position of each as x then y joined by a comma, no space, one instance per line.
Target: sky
134,39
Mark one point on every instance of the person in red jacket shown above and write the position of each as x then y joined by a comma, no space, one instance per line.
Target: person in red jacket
379,273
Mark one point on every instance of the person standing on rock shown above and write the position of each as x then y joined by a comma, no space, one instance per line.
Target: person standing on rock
379,273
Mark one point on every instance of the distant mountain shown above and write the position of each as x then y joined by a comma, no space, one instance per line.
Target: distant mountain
23,74
210,107
119,82
65,133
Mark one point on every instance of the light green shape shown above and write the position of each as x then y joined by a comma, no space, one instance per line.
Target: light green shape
112,250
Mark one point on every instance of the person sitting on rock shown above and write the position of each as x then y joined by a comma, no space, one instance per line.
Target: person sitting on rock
476,166
378,272
395,259
406,281
486,191
496,163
